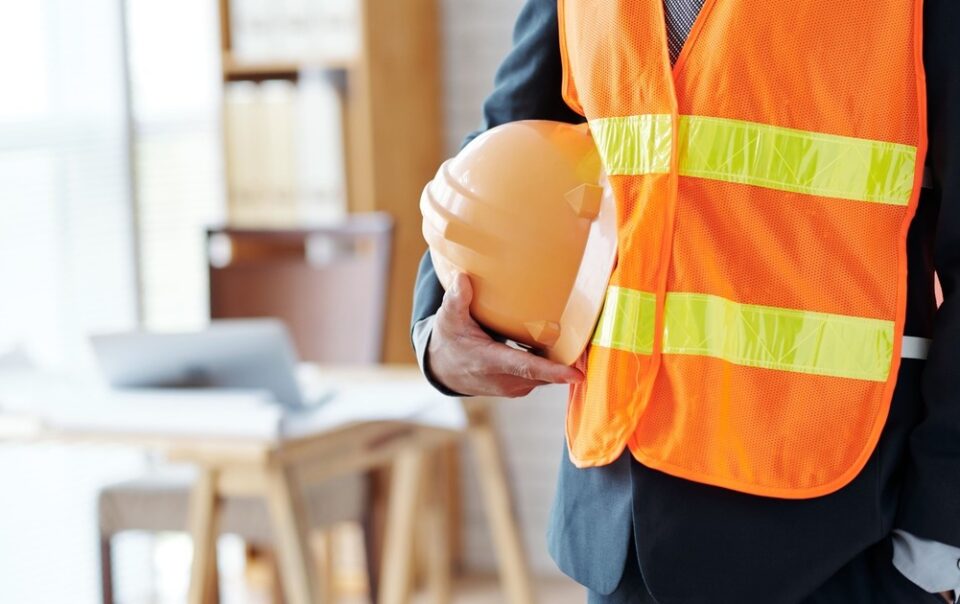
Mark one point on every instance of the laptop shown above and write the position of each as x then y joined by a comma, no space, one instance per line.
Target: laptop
230,354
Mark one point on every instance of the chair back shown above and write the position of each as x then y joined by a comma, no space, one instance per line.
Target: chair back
327,284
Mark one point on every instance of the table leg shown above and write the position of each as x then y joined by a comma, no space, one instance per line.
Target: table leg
288,516
398,540
514,570
204,530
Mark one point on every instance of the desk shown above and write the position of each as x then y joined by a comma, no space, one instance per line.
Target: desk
278,470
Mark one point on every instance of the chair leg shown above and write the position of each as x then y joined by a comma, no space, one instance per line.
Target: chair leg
106,570
276,591
372,525
371,559
213,580
325,561
204,516
262,572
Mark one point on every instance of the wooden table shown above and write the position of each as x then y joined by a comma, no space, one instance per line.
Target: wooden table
279,470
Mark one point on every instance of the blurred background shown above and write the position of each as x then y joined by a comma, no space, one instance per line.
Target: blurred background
151,153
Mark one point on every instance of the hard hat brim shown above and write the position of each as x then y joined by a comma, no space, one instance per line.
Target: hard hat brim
583,308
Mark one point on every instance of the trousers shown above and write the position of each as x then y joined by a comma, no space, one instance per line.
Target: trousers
870,578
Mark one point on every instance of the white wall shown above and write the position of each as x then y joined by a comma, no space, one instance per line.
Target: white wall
476,36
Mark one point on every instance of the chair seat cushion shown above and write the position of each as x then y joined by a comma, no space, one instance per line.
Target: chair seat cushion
160,502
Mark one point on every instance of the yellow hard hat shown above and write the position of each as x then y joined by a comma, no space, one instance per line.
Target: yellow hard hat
524,211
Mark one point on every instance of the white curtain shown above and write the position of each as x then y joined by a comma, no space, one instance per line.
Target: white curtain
66,268
176,91
66,234
94,237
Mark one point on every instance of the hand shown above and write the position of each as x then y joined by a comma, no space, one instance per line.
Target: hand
462,357
949,596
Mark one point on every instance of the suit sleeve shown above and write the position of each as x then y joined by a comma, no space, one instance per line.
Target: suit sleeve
930,504
527,86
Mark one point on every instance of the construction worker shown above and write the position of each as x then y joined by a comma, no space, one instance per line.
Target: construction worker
727,469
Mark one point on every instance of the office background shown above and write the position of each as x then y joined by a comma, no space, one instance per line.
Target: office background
113,162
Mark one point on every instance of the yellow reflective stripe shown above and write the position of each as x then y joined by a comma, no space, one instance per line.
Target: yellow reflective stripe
793,160
636,144
778,338
761,155
750,335
626,322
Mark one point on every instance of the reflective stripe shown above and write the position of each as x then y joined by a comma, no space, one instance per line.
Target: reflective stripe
627,320
793,160
636,144
750,335
914,347
760,155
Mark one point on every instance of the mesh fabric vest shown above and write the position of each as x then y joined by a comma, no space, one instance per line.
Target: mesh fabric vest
751,334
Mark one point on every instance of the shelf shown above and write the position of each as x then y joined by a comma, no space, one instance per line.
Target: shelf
392,130
235,70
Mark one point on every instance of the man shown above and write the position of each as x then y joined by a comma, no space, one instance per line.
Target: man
875,522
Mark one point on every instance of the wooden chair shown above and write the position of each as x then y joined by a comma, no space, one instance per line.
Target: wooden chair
329,285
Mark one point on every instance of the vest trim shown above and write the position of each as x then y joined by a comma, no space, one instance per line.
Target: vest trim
750,335
761,155
635,144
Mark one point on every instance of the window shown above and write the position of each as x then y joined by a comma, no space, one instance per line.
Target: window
106,185
66,227
175,77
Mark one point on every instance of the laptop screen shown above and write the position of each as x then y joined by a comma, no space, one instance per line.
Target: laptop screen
235,353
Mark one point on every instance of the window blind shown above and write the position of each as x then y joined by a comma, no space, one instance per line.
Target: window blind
175,95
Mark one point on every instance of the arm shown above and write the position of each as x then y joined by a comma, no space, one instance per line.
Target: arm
527,86
930,507
929,519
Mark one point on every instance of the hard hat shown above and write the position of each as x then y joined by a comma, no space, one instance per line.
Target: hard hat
524,211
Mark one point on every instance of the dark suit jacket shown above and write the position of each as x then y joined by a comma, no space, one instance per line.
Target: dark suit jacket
700,543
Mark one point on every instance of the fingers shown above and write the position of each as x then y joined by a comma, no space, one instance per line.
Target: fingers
510,386
536,368
467,360
474,367
531,367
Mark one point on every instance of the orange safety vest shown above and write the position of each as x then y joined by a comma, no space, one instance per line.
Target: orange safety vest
751,335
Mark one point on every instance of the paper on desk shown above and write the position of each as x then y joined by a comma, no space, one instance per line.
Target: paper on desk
407,401
229,413
249,414
69,406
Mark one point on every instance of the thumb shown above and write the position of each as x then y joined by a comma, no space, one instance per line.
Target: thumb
460,295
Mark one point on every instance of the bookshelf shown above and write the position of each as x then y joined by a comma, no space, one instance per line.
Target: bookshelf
387,76
239,70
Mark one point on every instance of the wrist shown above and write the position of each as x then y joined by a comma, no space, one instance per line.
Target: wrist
423,332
